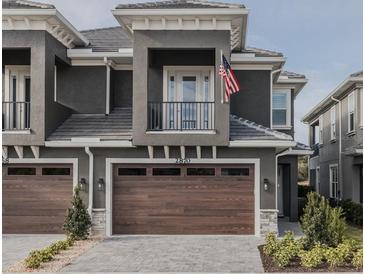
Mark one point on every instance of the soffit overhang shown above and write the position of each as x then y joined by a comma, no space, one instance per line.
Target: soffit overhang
49,20
231,19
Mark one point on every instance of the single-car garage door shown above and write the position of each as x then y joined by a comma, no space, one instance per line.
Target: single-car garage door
174,199
35,198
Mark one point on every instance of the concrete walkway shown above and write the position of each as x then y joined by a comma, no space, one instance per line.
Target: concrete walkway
284,225
17,247
171,254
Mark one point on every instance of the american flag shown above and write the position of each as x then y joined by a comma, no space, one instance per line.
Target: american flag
230,80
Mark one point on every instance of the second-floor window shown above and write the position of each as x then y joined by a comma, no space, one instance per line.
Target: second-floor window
351,112
320,129
333,123
281,115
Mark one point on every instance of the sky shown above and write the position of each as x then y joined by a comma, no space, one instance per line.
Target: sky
321,39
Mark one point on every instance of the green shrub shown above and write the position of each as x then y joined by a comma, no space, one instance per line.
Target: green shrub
46,254
352,211
357,260
313,257
77,223
337,256
271,244
321,223
33,260
288,248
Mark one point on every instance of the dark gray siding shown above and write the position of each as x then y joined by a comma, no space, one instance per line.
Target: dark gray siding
122,89
253,101
82,89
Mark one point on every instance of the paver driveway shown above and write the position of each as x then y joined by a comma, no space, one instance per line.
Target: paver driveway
171,254
17,247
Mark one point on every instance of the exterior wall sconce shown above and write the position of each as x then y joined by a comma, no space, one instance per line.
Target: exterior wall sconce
266,184
101,184
82,184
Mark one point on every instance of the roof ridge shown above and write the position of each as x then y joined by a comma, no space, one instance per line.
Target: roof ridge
168,2
261,128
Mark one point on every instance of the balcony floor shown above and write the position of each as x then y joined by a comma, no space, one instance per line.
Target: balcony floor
116,126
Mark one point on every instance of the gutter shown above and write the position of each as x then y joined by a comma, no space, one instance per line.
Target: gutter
91,179
339,143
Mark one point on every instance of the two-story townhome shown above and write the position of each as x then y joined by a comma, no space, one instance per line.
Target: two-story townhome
336,136
135,115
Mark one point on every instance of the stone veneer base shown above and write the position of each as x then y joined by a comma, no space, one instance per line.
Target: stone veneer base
268,221
98,222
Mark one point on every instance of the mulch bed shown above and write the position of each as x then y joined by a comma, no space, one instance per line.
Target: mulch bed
270,266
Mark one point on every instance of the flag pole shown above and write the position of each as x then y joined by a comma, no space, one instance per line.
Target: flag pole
222,92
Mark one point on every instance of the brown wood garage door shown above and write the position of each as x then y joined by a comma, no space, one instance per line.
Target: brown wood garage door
183,199
35,198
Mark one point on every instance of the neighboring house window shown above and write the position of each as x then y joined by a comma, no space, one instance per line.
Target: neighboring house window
351,112
320,133
281,109
333,123
334,181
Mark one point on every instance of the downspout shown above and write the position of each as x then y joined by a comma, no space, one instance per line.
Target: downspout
91,178
339,143
107,96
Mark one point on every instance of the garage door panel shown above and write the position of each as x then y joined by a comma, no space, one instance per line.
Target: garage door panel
183,204
36,203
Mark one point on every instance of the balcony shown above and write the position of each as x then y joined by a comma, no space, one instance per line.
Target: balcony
16,116
180,116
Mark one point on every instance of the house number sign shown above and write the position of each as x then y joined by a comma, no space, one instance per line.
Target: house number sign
183,160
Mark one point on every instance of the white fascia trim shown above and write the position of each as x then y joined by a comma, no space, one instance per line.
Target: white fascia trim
88,53
242,58
121,143
179,12
335,93
252,67
261,143
47,12
109,181
73,161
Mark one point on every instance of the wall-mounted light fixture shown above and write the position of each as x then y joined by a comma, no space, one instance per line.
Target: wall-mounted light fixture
101,184
82,184
266,184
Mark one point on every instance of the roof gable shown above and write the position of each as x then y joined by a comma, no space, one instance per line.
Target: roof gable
25,4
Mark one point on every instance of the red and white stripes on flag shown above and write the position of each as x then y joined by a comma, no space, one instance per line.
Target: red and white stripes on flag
230,80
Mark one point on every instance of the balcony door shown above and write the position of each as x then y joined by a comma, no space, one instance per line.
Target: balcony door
16,98
188,98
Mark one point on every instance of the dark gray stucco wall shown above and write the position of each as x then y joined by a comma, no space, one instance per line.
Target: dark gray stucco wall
55,113
35,41
254,100
290,191
122,88
146,40
82,88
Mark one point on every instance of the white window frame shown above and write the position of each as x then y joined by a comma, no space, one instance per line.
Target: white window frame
320,129
331,167
169,71
333,123
287,125
351,110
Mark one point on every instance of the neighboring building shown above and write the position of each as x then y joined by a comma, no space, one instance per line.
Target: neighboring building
135,115
336,165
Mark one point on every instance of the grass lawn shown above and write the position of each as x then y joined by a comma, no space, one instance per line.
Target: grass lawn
353,232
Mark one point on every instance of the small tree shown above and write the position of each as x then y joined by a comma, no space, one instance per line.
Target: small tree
78,222
321,223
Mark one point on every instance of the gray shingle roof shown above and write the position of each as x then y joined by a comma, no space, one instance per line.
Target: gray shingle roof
179,4
108,39
357,74
262,52
25,4
116,126
242,129
301,146
290,74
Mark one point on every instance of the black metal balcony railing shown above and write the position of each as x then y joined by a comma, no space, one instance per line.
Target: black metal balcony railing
180,116
16,115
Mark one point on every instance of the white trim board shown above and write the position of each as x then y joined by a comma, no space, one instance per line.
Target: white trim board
73,161
88,143
109,181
